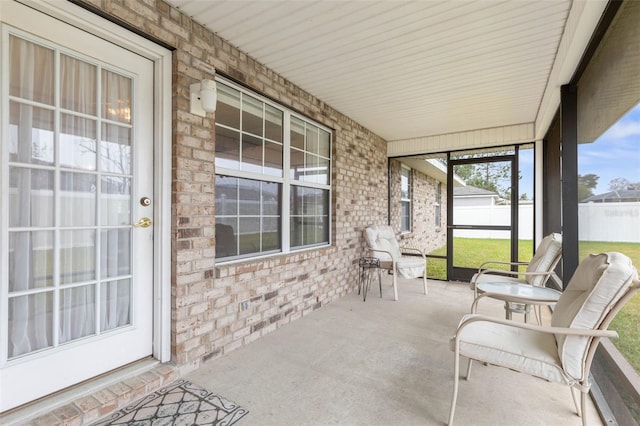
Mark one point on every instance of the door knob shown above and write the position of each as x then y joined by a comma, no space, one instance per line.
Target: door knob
144,222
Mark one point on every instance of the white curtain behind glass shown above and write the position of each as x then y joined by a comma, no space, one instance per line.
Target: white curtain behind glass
115,156
31,316
30,326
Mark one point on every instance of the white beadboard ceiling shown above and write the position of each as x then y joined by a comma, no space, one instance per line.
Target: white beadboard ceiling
403,69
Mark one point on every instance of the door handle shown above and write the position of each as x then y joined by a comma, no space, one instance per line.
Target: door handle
144,222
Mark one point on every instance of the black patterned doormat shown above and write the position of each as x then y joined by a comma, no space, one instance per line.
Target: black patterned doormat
180,403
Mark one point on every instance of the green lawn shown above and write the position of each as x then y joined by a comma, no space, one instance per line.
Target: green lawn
471,252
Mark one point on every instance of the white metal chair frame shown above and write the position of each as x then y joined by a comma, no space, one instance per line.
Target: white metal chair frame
392,265
595,334
515,279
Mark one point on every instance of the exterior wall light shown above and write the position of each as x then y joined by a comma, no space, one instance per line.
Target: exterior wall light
203,97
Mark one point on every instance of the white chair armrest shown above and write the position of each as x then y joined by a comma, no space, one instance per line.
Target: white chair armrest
379,250
541,328
497,262
515,273
384,264
508,298
412,250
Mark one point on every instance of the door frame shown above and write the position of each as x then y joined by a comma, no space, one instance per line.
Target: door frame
162,132
465,274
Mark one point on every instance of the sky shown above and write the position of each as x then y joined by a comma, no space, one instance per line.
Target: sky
525,186
616,153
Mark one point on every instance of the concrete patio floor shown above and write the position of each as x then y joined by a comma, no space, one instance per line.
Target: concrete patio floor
380,362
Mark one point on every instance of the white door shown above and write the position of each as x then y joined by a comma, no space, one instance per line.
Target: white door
76,260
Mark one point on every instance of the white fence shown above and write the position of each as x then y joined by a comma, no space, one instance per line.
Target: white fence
618,222
494,216
609,222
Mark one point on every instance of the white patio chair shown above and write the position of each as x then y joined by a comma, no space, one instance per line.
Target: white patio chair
539,269
407,261
562,352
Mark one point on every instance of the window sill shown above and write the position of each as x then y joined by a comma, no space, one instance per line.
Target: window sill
220,264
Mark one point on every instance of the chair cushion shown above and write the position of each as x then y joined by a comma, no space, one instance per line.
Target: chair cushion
527,351
411,266
547,253
597,284
382,237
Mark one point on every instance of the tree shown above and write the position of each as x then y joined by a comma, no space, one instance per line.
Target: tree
586,185
492,176
620,184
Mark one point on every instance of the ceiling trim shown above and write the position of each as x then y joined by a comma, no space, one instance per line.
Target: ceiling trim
432,168
505,135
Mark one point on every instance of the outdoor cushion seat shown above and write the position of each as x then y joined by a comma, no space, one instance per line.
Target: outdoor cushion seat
410,266
562,352
409,262
526,351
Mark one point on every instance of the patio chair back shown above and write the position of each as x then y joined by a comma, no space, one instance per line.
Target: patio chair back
545,259
409,262
590,301
382,237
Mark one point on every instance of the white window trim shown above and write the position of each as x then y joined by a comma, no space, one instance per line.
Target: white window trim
438,206
404,168
285,179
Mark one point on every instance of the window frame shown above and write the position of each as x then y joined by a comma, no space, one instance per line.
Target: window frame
285,179
406,201
438,206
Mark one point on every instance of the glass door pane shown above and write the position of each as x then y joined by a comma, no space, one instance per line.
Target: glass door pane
69,168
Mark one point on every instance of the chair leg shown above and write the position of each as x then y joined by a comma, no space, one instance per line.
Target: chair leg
424,278
380,281
583,406
456,379
365,285
469,369
507,310
395,284
575,401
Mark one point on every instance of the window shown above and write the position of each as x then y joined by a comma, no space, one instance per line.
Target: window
405,199
437,206
273,179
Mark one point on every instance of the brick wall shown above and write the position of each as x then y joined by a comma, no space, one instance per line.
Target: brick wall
207,315
424,234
